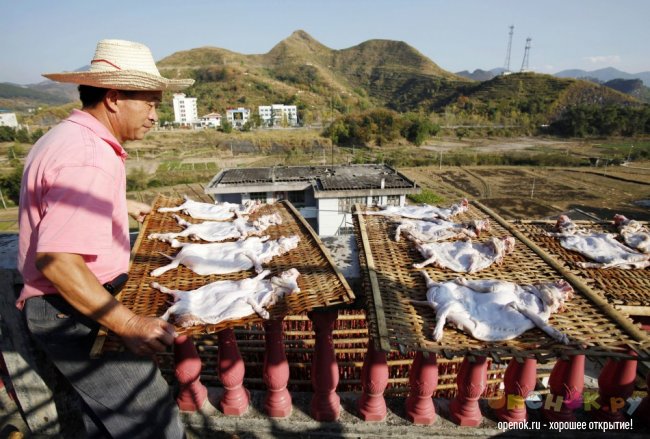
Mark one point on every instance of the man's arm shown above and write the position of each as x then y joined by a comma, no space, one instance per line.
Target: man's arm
137,210
79,287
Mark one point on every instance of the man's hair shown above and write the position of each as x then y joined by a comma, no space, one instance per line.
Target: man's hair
91,96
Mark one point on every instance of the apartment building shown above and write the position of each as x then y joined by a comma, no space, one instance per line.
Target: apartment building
278,115
185,111
237,117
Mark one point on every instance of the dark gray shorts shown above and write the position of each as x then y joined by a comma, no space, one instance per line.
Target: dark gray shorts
125,393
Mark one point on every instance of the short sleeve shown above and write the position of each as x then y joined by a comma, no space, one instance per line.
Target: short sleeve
78,212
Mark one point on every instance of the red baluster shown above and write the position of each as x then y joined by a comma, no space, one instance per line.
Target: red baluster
518,381
235,398
423,380
192,395
374,379
566,383
276,372
471,382
642,412
325,404
615,386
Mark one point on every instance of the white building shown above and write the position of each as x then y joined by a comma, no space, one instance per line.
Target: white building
237,117
8,119
278,115
211,120
185,112
324,195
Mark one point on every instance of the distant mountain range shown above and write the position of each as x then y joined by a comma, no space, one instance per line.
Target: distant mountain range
602,75
324,82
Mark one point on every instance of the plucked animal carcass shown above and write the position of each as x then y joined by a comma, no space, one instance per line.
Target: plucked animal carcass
495,310
227,257
601,248
214,212
635,234
466,256
215,231
423,211
439,230
229,300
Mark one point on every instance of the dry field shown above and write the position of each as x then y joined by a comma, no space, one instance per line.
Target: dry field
536,193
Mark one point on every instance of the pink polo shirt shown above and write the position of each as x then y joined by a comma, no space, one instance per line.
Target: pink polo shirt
73,200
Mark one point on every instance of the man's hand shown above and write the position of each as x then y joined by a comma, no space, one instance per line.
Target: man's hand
137,210
146,335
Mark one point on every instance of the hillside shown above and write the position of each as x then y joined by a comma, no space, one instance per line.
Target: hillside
16,97
318,79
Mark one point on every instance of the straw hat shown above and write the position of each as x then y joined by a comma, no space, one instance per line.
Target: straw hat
122,65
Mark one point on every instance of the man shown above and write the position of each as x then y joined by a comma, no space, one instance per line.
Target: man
74,238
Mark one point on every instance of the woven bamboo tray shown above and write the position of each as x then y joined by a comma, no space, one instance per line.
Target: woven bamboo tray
391,283
320,281
627,290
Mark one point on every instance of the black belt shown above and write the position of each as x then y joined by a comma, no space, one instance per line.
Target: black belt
115,286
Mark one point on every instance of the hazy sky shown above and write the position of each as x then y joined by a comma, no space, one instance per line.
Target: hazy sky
57,35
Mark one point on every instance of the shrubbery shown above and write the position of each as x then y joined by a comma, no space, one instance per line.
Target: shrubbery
378,127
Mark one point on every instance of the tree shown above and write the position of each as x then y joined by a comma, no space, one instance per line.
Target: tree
461,132
10,184
226,126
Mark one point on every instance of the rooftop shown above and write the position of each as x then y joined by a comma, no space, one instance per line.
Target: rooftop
321,178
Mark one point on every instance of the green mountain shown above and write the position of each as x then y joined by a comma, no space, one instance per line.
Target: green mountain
17,97
325,83
320,80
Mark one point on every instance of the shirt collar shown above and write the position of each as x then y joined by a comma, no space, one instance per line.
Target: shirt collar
88,121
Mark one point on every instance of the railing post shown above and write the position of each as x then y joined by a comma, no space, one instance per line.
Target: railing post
423,380
518,381
231,370
276,371
192,395
615,386
566,383
471,382
325,404
374,379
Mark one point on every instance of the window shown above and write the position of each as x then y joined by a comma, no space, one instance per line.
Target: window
392,200
345,204
297,198
258,196
343,231
376,199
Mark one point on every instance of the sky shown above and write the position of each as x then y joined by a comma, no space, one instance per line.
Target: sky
47,36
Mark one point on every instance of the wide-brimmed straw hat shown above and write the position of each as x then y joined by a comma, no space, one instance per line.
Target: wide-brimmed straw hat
122,65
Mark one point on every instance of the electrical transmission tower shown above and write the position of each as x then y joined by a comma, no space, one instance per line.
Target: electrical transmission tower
524,63
507,63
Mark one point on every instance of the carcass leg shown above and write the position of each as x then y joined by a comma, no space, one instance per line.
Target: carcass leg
374,379
276,371
566,383
519,381
471,382
325,404
193,395
423,380
235,398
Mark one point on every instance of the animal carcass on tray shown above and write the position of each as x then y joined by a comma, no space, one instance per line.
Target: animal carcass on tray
214,212
228,257
466,256
439,230
495,310
229,300
635,234
602,248
215,231
423,211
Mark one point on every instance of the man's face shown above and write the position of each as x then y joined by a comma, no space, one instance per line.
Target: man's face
137,113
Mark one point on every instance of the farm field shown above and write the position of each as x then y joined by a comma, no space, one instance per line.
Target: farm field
536,193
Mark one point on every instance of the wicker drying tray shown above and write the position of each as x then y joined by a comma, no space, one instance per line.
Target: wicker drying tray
627,290
320,281
390,283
